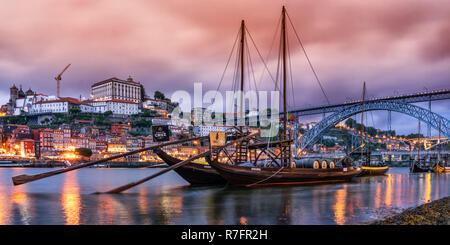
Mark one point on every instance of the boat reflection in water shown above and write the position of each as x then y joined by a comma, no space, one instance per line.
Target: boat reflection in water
169,200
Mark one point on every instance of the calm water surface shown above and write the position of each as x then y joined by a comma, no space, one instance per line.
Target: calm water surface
66,199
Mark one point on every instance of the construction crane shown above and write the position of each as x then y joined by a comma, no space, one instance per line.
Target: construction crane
58,78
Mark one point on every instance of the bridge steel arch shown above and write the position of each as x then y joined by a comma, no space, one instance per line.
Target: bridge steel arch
330,121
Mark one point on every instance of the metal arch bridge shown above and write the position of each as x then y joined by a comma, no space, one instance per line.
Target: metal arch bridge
420,113
443,94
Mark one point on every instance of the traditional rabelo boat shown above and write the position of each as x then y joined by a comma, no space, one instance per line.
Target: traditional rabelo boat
279,167
368,167
418,165
196,172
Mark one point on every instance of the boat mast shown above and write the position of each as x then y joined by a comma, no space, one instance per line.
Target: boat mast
283,36
242,67
439,143
418,148
362,120
285,148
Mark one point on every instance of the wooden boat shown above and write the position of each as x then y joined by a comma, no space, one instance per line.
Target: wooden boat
264,176
195,172
416,167
371,170
280,168
438,169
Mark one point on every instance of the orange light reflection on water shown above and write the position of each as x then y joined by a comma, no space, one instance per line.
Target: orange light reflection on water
70,199
339,206
388,197
427,196
20,198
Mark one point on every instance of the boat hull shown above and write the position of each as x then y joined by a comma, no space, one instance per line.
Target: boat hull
194,173
438,169
371,171
264,176
417,169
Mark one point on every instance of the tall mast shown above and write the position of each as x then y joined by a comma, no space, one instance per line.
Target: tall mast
362,120
283,36
439,142
242,67
418,148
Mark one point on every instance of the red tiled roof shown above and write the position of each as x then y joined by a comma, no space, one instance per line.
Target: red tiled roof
63,99
122,101
83,121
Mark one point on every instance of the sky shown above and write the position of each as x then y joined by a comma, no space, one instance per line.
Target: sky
397,47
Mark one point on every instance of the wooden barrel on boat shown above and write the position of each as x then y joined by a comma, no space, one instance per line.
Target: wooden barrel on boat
308,163
293,165
331,165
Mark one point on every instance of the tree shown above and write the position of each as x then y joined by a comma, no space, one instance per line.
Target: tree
143,93
108,113
45,121
85,152
74,110
159,95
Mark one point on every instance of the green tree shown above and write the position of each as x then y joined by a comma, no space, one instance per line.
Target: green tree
143,93
108,113
74,110
159,95
85,152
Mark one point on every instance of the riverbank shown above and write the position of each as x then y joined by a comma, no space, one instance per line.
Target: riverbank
432,213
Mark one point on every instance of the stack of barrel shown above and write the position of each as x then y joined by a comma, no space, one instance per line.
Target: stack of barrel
315,163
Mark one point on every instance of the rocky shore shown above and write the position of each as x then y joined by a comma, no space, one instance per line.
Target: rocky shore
432,213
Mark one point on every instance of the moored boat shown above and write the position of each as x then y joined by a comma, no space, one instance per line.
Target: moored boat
195,172
437,168
416,167
372,170
279,168
264,176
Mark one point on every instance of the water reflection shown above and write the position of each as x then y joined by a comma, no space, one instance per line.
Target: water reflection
427,197
339,206
388,197
70,199
4,206
67,200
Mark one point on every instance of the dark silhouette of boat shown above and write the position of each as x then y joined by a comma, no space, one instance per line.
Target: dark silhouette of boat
194,173
417,166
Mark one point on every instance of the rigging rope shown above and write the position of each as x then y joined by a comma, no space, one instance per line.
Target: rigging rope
257,182
226,66
260,56
307,58
290,71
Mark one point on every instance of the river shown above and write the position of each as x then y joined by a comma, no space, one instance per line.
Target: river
168,199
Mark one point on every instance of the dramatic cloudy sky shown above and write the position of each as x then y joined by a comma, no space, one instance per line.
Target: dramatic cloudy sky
399,46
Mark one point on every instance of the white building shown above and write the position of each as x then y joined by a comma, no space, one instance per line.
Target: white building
118,89
119,107
62,105
161,121
204,130
153,104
